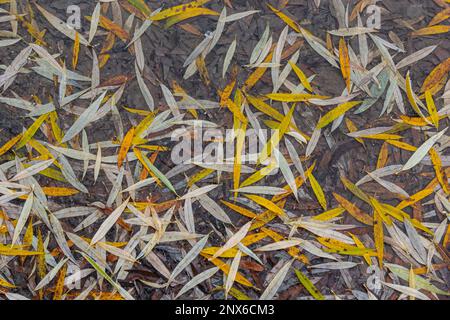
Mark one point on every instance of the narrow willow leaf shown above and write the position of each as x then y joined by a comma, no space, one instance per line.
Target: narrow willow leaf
60,238
309,285
336,113
109,222
85,118
233,272
276,282
121,290
49,276
197,280
234,240
228,57
26,210
60,25
422,151
188,258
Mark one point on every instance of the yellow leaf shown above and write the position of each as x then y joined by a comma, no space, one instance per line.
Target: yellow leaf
113,27
411,97
276,137
265,108
254,77
402,145
294,97
415,197
203,70
41,266
236,111
27,135
359,244
291,23
432,108
309,285
344,60
76,50
437,165
6,284
59,287
189,13
354,189
383,156
199,176
441,16
378,236
382,136
352,128
301,76
8,145
173,11
59,192
125,146
428,31
377,207
318,192
267,204
240,210
351,208
240,139
330,214
225,268
293,251
336,113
